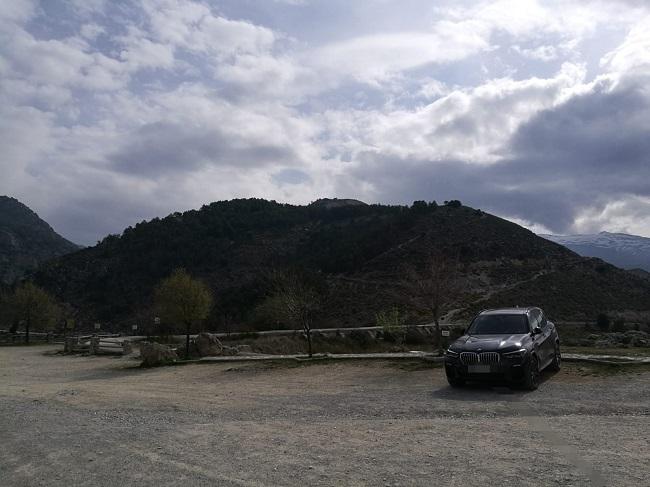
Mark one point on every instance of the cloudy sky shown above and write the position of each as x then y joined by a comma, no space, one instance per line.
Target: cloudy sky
116,111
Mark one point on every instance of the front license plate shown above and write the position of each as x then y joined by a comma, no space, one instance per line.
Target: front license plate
478,369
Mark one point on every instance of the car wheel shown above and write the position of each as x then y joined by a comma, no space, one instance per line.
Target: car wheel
531,380
455,381
557,359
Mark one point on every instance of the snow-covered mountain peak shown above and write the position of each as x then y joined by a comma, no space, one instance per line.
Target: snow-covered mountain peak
621,249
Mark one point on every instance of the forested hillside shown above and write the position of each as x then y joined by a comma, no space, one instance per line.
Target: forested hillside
359,251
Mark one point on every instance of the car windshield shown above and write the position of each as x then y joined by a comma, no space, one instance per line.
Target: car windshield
499,325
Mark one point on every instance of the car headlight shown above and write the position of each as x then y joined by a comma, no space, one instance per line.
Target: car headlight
517,354
450,353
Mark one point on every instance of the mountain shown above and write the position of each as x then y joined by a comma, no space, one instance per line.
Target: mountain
359,251
26,240
330,203
640,273
622,250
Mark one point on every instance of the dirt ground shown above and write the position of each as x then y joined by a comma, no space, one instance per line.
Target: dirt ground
78,421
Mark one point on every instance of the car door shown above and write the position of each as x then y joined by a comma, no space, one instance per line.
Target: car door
536,321
546,338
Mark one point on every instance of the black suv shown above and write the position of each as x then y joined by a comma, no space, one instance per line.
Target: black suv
514,344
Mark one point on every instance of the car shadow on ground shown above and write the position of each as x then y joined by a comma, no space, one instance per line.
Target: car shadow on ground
115,372
486,391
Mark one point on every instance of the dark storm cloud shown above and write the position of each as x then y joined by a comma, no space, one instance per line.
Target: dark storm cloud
163,148
590,151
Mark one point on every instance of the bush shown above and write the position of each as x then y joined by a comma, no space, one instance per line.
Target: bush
360,338
249,335
619,325
453,203
392,324
414,336
419,206
602,322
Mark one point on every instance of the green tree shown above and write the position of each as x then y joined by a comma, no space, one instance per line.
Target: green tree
182,299
31,305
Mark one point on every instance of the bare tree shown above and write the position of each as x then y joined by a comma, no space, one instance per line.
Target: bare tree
298,299
432,286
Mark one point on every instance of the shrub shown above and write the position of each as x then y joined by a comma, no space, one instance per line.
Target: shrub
419,206
249,335
392,324
414,336
602,322
619,325
453,204
360,337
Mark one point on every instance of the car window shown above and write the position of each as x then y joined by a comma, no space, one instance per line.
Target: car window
506,324
543,320
534,318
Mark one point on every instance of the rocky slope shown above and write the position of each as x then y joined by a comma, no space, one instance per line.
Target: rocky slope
26,240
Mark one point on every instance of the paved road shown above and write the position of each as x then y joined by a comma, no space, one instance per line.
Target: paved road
101,421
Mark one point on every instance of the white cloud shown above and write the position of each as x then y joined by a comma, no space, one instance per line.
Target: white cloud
91,30
468,125
59,63
140,53
88,8
629,215
105,124
433,89
634,53
16,10
193,26
375,58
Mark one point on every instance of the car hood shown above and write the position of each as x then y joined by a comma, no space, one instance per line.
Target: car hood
489,343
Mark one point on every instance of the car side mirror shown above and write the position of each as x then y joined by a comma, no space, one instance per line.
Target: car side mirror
537,330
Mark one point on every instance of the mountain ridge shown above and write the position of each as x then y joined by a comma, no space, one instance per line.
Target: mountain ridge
620,249
360,251
26,240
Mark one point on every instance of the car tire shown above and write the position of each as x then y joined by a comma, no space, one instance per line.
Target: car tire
455,381
531,378
556,364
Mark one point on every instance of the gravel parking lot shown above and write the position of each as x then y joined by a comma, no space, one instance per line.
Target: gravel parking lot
102,421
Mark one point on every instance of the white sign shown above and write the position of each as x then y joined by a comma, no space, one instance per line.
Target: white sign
97,326
445,333
134,327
